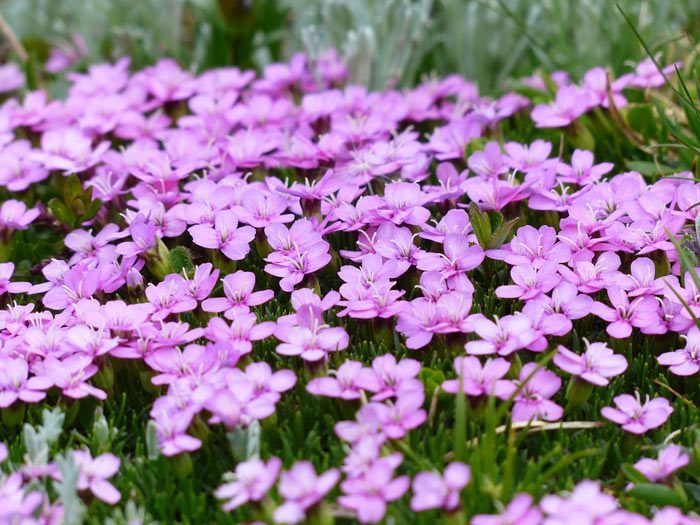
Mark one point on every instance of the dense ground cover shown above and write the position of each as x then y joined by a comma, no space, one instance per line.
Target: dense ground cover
234,297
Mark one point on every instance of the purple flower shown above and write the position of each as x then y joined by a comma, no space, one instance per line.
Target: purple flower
94,473
77,283
171,429
302,488
299,251
569,104
69,150
11,77
530,282
238,289
16,504
459,257
635,417
403,204
396,419
389,378
311,338
15,383
685,361
532,246
239,335
502,336
532,402
520,511
14,215
433,491
488,163
143,237
71,374
251,481
224,235
476,380
582,170
586,504
624,315
597,364
344,383
369,493
6,271
170,297
671,458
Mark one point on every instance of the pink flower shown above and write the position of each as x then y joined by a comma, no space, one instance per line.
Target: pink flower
476,380
143,237
224,235
238,289
459,257
569,104
71,374
302,488
344,383
170,297
488,163
624,315
311,338
685,361
528,158
369,493
533,401
671,458
15,383
396,419
389,378
433,491
403,204
582,170
14,215
642,279
586,504
502,336
94,472
299,251
530,282
251,481
597,364
635,417
6,271
532,246
520,511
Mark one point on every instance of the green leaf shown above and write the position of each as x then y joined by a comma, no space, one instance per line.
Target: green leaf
481,224
73,188
502,233
180,259
62,213
649,169
91,210
641,118
656,494
694,490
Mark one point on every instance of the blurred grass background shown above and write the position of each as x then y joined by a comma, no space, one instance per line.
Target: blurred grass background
384,42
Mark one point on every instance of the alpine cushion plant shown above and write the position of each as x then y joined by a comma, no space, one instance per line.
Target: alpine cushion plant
411,305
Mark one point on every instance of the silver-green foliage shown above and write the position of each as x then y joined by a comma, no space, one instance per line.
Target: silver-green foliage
489,41
382,41
143,29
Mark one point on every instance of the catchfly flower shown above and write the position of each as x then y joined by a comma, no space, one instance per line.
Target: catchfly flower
358,293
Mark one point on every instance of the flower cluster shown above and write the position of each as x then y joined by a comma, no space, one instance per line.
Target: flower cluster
213,191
